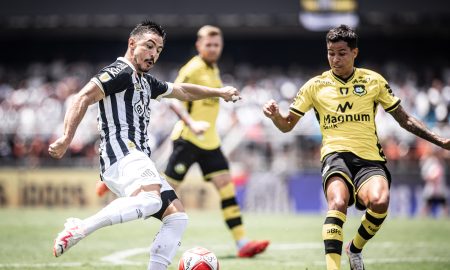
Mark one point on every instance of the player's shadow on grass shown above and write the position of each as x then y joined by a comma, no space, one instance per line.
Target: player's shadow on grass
234,257
227,257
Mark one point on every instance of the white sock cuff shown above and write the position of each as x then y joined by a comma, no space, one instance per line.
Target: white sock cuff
175,216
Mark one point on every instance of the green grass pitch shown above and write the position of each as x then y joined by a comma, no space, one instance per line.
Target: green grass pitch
26,239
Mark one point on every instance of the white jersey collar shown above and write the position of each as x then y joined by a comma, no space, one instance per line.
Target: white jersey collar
123,59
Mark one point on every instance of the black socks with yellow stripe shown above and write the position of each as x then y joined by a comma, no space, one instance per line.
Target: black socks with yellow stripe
370,224
333,236
231,211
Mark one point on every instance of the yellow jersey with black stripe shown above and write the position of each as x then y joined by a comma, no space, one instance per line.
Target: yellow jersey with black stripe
346,110
197,71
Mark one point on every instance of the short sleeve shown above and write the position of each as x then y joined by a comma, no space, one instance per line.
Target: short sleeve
386,97
112,80
158,88
303,101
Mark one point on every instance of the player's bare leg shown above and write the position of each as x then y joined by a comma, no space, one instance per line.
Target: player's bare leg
374,194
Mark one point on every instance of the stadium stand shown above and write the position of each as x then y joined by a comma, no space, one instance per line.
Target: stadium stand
49,51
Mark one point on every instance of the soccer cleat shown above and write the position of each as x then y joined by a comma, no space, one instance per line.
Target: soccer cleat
253,248
355,259
66,239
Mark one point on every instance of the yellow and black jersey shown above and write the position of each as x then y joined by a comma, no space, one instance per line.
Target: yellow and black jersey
197,71
346,110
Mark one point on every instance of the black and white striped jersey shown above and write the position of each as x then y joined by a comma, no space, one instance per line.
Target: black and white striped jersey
124,112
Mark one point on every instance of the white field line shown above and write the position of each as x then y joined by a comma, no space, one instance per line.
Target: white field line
122,257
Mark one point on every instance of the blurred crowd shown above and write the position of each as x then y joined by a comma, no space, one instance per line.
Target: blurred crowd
33,101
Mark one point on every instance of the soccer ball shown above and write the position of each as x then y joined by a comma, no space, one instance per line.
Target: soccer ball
198,258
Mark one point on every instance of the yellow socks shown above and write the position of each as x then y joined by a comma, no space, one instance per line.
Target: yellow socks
231,211
333,237
370,224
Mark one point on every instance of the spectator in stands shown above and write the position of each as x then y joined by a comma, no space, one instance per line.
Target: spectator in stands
433,172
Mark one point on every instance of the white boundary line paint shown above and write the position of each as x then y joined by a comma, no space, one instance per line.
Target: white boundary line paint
120,257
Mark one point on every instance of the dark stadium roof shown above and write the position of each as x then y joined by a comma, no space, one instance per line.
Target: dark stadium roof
237,17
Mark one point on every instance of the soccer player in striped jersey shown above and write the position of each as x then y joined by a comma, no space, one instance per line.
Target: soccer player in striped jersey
345,101
123,91
195,137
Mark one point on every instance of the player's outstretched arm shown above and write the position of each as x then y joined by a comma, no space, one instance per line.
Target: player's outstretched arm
418,128
88,95
197,127
188,92
283,123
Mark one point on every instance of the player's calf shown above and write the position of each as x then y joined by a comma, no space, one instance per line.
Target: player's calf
168,239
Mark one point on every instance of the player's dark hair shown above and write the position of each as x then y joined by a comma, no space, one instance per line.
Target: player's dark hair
344,33
148,26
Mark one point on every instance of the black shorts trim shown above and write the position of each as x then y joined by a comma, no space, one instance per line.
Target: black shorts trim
167,197
348,182
354,170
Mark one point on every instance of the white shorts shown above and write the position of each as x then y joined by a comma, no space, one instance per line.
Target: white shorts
131,172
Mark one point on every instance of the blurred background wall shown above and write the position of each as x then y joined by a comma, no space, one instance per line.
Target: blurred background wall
49,49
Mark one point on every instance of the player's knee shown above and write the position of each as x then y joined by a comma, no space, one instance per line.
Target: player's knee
221,181
379,202
151,203
338,203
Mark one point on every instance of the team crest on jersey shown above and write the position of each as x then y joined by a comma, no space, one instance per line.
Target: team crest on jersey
104,77
137,87
359,90
141,108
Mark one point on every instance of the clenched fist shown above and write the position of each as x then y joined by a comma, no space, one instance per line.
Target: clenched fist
59,147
